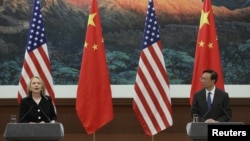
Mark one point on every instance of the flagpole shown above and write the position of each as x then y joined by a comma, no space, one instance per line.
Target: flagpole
94,136
152,138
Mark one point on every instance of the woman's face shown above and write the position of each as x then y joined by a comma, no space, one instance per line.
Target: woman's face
36,86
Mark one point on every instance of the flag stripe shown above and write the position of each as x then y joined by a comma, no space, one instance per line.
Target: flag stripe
39,65
154,83
142,111
156,87
152,102
147,94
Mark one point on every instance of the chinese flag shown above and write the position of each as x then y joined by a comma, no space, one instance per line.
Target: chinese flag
94,99
207,55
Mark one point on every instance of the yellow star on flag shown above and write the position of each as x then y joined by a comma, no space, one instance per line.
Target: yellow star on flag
210,45
95,47
91,19
204,18
201,43
86,44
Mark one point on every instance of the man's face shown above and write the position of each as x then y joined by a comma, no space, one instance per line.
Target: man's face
206,81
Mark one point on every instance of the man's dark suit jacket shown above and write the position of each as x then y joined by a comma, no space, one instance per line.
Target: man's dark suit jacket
30,111
220,109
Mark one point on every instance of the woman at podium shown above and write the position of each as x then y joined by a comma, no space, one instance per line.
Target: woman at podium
211,104
37,107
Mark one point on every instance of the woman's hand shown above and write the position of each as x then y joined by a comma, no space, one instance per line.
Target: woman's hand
210,121
52,121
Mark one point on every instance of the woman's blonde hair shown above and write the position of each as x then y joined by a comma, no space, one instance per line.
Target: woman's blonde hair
42,83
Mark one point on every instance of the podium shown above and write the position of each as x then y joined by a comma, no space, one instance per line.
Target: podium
197,131
33,131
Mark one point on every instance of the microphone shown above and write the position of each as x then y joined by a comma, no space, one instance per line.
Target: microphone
204,116
44,114
20,119
44,96
224,111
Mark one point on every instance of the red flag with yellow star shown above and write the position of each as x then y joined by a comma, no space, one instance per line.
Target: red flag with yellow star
207,55
94,99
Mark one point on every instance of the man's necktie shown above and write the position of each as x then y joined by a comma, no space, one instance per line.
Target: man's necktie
209,100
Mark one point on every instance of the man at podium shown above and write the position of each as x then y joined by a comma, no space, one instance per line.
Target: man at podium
211,104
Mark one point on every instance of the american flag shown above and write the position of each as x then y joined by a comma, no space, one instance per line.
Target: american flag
152,102
36,59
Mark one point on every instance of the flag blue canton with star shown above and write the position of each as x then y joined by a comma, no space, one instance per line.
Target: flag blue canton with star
151,31
36,35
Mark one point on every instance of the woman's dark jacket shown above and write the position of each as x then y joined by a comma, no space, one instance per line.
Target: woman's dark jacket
30,111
